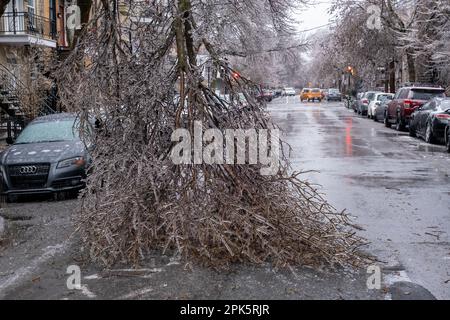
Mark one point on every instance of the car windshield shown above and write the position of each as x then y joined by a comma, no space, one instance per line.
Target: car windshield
370,96
384,97
445,105
333,91
424,94
49,131
306,90
316,90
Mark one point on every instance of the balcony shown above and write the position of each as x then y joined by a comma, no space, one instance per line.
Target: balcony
24,28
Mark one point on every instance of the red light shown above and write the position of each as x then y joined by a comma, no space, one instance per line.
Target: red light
236,75
411,104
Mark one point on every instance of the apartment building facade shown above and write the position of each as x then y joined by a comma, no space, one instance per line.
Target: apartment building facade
27,25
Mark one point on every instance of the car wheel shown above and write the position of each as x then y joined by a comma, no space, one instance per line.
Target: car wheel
429,134
387,124
375,118
399,126
412,131
448,141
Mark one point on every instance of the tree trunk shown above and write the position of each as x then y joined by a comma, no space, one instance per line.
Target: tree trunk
386,78
392,76
411,65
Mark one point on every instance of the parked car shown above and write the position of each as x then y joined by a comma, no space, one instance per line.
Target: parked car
311,94
380,96
278,93
406,101
431,120
333,95
381,107
289,92
265,95
447,136
354,104
363,103
47,157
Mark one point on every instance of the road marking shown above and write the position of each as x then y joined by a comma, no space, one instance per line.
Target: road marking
23,272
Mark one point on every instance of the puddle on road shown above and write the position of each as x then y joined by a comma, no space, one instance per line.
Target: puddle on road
431,148
388,133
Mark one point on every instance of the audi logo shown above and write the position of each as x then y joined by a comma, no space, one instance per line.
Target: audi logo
28,169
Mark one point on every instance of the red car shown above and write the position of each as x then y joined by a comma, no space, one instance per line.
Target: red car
406,101
265,95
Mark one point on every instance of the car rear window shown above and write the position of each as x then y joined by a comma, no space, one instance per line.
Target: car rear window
426,94
445,105
370,96
316,90
306,90
383,97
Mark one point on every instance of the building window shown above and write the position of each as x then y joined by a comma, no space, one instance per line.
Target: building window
31,13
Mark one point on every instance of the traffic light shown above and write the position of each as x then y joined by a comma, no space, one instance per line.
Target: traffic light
236,75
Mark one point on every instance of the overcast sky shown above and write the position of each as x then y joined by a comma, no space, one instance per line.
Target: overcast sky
314,16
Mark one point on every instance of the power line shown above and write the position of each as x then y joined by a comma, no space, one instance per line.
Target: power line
315,28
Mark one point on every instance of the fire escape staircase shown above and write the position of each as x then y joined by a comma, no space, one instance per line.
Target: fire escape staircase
13,118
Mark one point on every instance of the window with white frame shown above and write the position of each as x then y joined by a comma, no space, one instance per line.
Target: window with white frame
31,6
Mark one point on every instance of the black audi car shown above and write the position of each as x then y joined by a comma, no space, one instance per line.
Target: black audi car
47,157
430,120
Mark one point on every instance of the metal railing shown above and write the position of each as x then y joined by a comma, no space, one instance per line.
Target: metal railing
10,89
13,23
15,87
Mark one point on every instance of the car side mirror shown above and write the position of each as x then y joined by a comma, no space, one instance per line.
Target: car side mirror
9,140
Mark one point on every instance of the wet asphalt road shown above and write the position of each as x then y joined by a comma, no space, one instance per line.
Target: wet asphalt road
397,187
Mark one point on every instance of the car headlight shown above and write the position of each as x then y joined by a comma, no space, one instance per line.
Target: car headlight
77,161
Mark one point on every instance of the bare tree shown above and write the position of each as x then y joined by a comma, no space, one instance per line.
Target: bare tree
124,72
